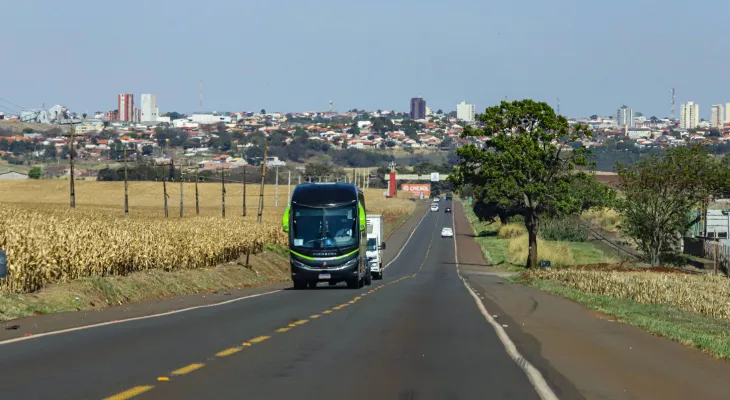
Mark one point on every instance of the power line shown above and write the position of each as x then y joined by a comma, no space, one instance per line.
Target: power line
10,102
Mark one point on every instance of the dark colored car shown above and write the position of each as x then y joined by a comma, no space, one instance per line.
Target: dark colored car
447,210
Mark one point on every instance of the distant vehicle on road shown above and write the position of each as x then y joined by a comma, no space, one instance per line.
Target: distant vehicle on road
375,245
447,209
436,199
326,223
447,232
449,197
434,207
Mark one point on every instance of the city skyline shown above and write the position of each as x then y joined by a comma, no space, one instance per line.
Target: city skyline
528,67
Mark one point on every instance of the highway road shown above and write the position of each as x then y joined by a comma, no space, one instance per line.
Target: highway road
417,334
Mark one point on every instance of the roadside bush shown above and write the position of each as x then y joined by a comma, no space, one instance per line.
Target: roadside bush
563,229
607,218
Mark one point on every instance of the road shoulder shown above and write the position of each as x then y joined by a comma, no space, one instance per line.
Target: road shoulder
582,353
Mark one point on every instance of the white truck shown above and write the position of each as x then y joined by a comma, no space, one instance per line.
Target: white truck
375,245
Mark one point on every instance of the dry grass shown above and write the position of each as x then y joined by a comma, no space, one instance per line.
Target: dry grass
606,218
557,252
47,242
703,294
510,231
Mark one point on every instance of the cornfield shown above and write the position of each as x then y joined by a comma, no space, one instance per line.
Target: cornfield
47,242
707,295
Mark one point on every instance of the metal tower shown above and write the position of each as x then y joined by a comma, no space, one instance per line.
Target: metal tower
673,109
558,106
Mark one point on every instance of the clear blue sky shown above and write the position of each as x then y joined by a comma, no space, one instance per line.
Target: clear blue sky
291,55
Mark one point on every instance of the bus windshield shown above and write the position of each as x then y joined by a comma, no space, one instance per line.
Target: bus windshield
324,228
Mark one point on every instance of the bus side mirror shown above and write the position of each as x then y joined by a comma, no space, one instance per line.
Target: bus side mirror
286,228
382,246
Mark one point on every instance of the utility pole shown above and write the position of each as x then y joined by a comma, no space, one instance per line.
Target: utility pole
197,204
263,177
244,190
223,195
276,185
353,177
126,191
181,190
288,191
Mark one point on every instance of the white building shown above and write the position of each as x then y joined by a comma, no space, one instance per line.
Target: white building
727,113
465,112
150,112
689,115
625,117
207,119
716,116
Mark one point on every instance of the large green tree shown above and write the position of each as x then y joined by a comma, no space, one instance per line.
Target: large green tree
659,193
526,164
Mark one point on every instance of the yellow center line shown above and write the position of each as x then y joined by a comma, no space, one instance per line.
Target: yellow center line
343,305
315,316
357,298
301,322
282,330
351,302
259,339
246,344
187,369
228,352
326,311
128,394
163,379
336,308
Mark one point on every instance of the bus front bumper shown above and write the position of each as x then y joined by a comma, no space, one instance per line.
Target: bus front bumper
316,272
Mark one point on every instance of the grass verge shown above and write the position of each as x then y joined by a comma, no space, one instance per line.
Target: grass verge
271,266
709,335
505,247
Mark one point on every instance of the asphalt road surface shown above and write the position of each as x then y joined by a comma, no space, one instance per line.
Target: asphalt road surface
416,334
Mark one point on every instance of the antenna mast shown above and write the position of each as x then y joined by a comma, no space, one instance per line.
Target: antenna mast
558,105
673,112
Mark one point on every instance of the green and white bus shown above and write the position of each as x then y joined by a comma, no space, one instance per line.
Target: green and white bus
326,223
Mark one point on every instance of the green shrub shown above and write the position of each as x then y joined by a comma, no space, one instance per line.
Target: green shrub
563,229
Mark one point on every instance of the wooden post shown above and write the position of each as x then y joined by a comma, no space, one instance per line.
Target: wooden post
223,195
164,191
197,203
244,193
263,177
72,187
181,190
126,191
717,248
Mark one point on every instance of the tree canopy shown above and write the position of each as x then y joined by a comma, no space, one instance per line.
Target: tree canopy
526,165
660,192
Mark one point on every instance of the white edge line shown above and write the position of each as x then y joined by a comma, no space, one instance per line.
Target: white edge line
80,328
406,243
533,374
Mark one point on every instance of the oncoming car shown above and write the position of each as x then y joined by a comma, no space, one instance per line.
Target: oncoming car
447,232
434,207
447,209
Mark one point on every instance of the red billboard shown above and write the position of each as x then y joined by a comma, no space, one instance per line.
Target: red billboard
417,188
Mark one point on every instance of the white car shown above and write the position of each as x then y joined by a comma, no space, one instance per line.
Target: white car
436,199
447,232
434,207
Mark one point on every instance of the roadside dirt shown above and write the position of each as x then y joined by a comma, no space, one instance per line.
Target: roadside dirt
582,353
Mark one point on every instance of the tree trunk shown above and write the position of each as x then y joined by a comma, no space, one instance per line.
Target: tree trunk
531,223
